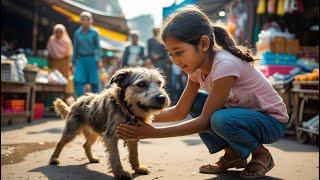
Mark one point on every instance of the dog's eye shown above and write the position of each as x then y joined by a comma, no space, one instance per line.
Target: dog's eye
142,84
159,83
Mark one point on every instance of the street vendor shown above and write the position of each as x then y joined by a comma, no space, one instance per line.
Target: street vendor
60,51
86,56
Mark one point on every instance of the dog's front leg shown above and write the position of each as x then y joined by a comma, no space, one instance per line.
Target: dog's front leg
134,160
111,143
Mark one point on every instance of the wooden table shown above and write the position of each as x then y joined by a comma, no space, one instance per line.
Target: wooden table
17,87
40,87
299,98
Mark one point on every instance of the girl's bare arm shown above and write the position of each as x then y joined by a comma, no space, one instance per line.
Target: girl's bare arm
181,109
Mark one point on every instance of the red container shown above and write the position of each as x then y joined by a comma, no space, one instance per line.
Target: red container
38,111
14,105
269,70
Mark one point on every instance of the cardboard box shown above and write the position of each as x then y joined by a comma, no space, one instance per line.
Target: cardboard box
278,45
293,46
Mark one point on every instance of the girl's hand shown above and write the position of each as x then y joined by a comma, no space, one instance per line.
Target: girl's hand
135,132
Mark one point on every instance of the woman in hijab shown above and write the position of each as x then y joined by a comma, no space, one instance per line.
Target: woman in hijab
60,51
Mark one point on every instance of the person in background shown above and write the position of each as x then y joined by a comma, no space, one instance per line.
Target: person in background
158,54
134,53
86,56
176,83
60,49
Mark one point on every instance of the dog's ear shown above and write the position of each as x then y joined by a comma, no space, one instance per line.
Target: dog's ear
121,78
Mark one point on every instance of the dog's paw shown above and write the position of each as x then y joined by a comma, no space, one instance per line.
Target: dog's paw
94,160
54,161
123,176
142,170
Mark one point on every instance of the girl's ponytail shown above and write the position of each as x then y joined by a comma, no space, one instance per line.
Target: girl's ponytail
223,39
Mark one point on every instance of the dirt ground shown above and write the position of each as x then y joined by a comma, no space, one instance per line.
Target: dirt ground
26,149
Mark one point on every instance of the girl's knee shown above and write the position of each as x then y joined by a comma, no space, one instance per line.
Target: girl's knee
219,120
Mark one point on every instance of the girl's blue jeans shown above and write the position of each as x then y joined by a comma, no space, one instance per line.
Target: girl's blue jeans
241,129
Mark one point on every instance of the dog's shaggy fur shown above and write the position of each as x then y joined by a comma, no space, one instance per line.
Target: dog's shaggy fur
139,90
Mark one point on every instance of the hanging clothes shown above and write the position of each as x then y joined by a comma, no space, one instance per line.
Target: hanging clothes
280,7
271,6
261,8
287,7
299,4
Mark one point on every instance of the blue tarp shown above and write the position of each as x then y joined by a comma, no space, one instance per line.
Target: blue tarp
168,10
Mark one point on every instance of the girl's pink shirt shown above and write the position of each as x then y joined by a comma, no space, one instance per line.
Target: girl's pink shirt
250,90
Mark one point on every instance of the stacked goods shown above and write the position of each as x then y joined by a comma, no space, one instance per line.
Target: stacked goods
278,42
277,63
309,81
38,110
278,45
313,76
292,46
278,52
53,77
269,70
14,105
9,71
269,58
311,52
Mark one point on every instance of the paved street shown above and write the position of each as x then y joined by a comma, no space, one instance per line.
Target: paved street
25,152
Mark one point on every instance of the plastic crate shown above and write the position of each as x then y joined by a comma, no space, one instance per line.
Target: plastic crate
38,111
14,105
6,71
269,58
269,70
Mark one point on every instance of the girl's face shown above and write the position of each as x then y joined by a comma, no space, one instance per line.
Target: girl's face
184,55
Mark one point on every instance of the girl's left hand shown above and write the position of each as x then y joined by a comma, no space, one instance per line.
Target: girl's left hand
135,132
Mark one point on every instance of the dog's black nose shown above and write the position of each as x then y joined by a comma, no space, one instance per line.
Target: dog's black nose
160,99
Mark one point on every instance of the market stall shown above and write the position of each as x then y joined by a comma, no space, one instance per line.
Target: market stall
23,86
15,111
26,28
288,48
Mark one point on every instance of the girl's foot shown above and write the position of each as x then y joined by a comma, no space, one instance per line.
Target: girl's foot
259,165
229,160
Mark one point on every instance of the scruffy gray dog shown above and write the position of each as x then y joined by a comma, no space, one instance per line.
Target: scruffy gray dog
133,94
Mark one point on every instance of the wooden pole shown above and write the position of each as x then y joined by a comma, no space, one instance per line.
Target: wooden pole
35,27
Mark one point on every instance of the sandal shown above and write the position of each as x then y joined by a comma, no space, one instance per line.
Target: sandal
226,164
257,173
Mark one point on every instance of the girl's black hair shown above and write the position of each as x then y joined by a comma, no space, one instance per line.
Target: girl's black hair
189,23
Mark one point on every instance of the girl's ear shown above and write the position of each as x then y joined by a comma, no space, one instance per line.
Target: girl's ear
205,43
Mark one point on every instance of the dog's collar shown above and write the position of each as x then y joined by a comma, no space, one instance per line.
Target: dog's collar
125,110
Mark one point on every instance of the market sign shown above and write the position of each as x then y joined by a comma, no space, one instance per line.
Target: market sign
102,31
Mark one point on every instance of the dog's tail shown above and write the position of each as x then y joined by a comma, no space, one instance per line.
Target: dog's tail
61,107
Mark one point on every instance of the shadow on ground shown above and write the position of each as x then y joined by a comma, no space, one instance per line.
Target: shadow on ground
234,175
20,126
286,144
52,130
71,172
79,172
193,142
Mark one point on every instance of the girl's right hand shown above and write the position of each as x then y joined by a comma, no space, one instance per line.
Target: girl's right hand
136,132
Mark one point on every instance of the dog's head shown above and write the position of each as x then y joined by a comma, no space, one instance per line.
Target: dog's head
142,89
